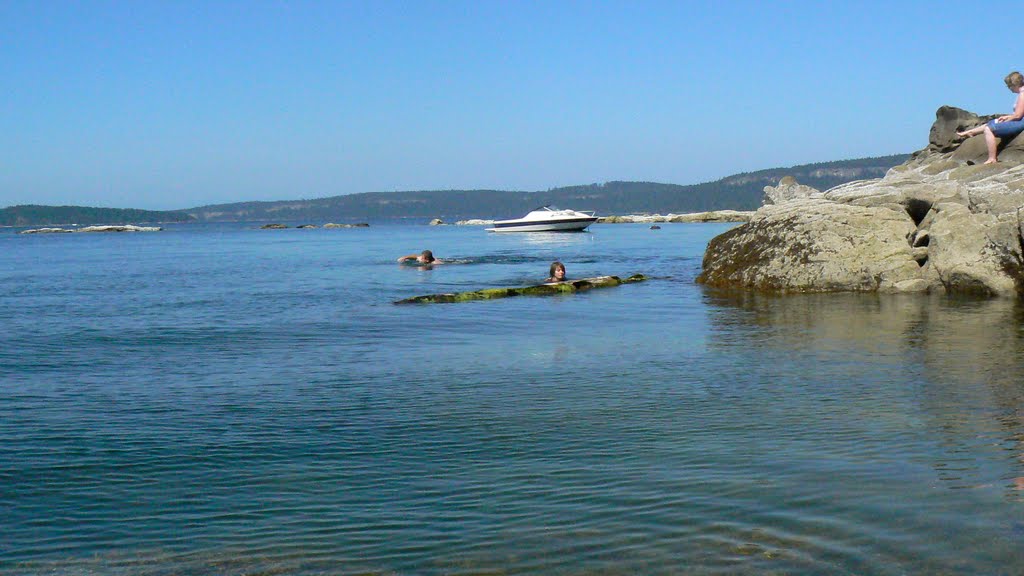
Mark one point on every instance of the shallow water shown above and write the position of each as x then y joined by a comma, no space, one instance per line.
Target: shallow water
216,399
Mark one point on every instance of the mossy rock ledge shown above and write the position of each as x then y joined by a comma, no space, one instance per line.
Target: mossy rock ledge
567,287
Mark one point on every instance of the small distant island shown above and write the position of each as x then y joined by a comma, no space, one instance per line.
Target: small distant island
741,192
37,215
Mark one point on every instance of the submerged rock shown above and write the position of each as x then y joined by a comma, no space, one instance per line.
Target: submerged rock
941,222
538,290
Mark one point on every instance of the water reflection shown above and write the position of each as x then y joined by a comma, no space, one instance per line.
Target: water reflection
555,238
959,362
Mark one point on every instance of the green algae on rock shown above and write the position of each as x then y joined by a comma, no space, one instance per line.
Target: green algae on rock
538,290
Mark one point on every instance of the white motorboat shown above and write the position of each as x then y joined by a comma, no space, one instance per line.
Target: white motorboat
547,219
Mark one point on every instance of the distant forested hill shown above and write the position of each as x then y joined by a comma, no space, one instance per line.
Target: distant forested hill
738,192
35,215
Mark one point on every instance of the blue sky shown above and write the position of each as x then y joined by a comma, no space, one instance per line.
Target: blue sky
175,104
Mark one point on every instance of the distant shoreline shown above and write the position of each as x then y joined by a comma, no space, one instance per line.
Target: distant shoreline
713,216
741,191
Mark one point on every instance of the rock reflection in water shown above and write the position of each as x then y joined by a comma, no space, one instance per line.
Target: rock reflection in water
962,360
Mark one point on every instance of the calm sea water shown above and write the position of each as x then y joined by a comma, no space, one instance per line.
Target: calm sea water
227,400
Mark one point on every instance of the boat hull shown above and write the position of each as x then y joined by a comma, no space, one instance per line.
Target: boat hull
568,225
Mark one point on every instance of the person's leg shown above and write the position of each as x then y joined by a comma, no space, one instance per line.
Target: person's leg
991,142
971,132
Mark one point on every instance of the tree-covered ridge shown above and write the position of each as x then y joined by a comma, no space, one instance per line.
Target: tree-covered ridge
738,192
36,215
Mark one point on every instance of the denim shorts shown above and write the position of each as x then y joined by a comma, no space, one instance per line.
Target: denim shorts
1007,129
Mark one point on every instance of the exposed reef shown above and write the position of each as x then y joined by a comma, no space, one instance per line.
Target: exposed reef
277,226
712,216
124,228
941,222
567,287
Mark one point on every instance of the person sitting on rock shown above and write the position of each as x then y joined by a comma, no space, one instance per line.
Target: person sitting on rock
1003,127
556,272
425,257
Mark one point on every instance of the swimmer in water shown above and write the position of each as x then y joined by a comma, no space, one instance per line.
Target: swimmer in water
557,272
425,257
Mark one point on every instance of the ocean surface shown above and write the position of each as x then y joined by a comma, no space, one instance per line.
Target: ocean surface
224,400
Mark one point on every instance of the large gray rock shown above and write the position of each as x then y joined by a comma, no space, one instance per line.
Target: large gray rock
949,120
805,246
941,222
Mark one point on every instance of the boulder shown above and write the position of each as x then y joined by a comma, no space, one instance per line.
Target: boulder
807,246
273,227
787,189
941,222
949,120
437,222
975,252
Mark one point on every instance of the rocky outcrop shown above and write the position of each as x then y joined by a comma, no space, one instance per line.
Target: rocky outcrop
712,216
538,290
787,189
47,231
941,222
119,228
333,225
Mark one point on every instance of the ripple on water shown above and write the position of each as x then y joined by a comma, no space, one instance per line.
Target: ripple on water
262,408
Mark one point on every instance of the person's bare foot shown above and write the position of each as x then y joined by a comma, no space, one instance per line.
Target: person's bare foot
991,161
964,134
